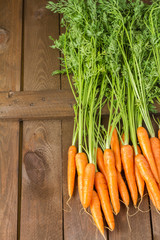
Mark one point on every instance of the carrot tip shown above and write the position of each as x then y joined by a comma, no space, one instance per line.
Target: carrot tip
67,203
109,228
157,211
123,203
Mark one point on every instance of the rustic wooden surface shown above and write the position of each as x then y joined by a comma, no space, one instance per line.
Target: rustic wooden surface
33,172
10,72
41,211
46,104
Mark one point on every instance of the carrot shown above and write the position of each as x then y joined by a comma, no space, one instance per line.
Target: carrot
123,189
71,169
128,166
139,179
109,162
81,163
151,196
100,162
102,190
147,151
139,150
96,212
148,177
88,182
116,149
159,134
155,146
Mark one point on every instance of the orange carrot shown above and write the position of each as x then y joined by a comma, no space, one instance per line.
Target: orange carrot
139,179
159,134
96,212
109,162
71,169
81,163
100,162
123,189
148,177
88,183
102,190
139,150
155,146
116,149
147,151
128,166
151,196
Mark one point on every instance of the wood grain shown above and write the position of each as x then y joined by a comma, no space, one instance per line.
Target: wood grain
41,183
47,104
10,70
41,214
8,180
39,59
140,223
30,105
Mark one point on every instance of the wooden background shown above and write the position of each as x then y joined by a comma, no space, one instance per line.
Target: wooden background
33,152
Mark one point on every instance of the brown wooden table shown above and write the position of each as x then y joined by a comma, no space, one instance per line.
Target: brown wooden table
36,123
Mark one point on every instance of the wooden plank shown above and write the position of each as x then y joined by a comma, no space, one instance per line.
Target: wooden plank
36,104
140,223
41,181
8,180
10,70
41,215
77,224
31,105
155,216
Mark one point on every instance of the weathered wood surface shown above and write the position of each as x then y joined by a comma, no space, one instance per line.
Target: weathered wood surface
41,212
44,214
10,71
30,105
47,104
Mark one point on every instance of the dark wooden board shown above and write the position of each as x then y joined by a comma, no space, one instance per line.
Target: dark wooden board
140,223
155,216
41,212
10,71
31,105
47,104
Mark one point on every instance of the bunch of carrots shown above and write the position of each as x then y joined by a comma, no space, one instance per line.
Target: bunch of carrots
110,53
